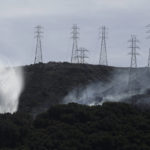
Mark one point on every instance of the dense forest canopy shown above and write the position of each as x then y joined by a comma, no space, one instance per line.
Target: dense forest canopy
112,126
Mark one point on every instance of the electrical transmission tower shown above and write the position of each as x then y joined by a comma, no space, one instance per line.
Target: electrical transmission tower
148,31
148,64
75,55
82,55
148,61
38,51
79,89
133,81
103,50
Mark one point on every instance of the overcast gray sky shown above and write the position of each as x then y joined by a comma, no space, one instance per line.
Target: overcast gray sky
123,18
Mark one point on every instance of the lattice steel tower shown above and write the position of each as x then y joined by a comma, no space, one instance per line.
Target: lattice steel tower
133,81
148,60
82,52
38,51
103,50
148,31
75,55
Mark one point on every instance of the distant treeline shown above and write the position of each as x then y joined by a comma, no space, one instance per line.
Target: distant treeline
112,126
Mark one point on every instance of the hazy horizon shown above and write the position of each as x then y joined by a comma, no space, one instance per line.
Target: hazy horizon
123,18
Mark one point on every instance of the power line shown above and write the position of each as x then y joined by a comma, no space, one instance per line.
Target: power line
38,51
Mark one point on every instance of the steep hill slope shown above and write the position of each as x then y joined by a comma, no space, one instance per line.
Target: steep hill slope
47,84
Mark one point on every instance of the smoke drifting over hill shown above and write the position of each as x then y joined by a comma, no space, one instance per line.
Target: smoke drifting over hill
58,83
114,91
11,85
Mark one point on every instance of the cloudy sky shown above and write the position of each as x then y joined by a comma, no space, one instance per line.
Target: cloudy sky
122,17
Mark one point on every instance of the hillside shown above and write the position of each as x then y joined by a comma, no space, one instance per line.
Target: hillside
43,122
47,84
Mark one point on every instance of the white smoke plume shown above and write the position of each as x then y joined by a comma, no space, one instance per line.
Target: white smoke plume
114,91
11,86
